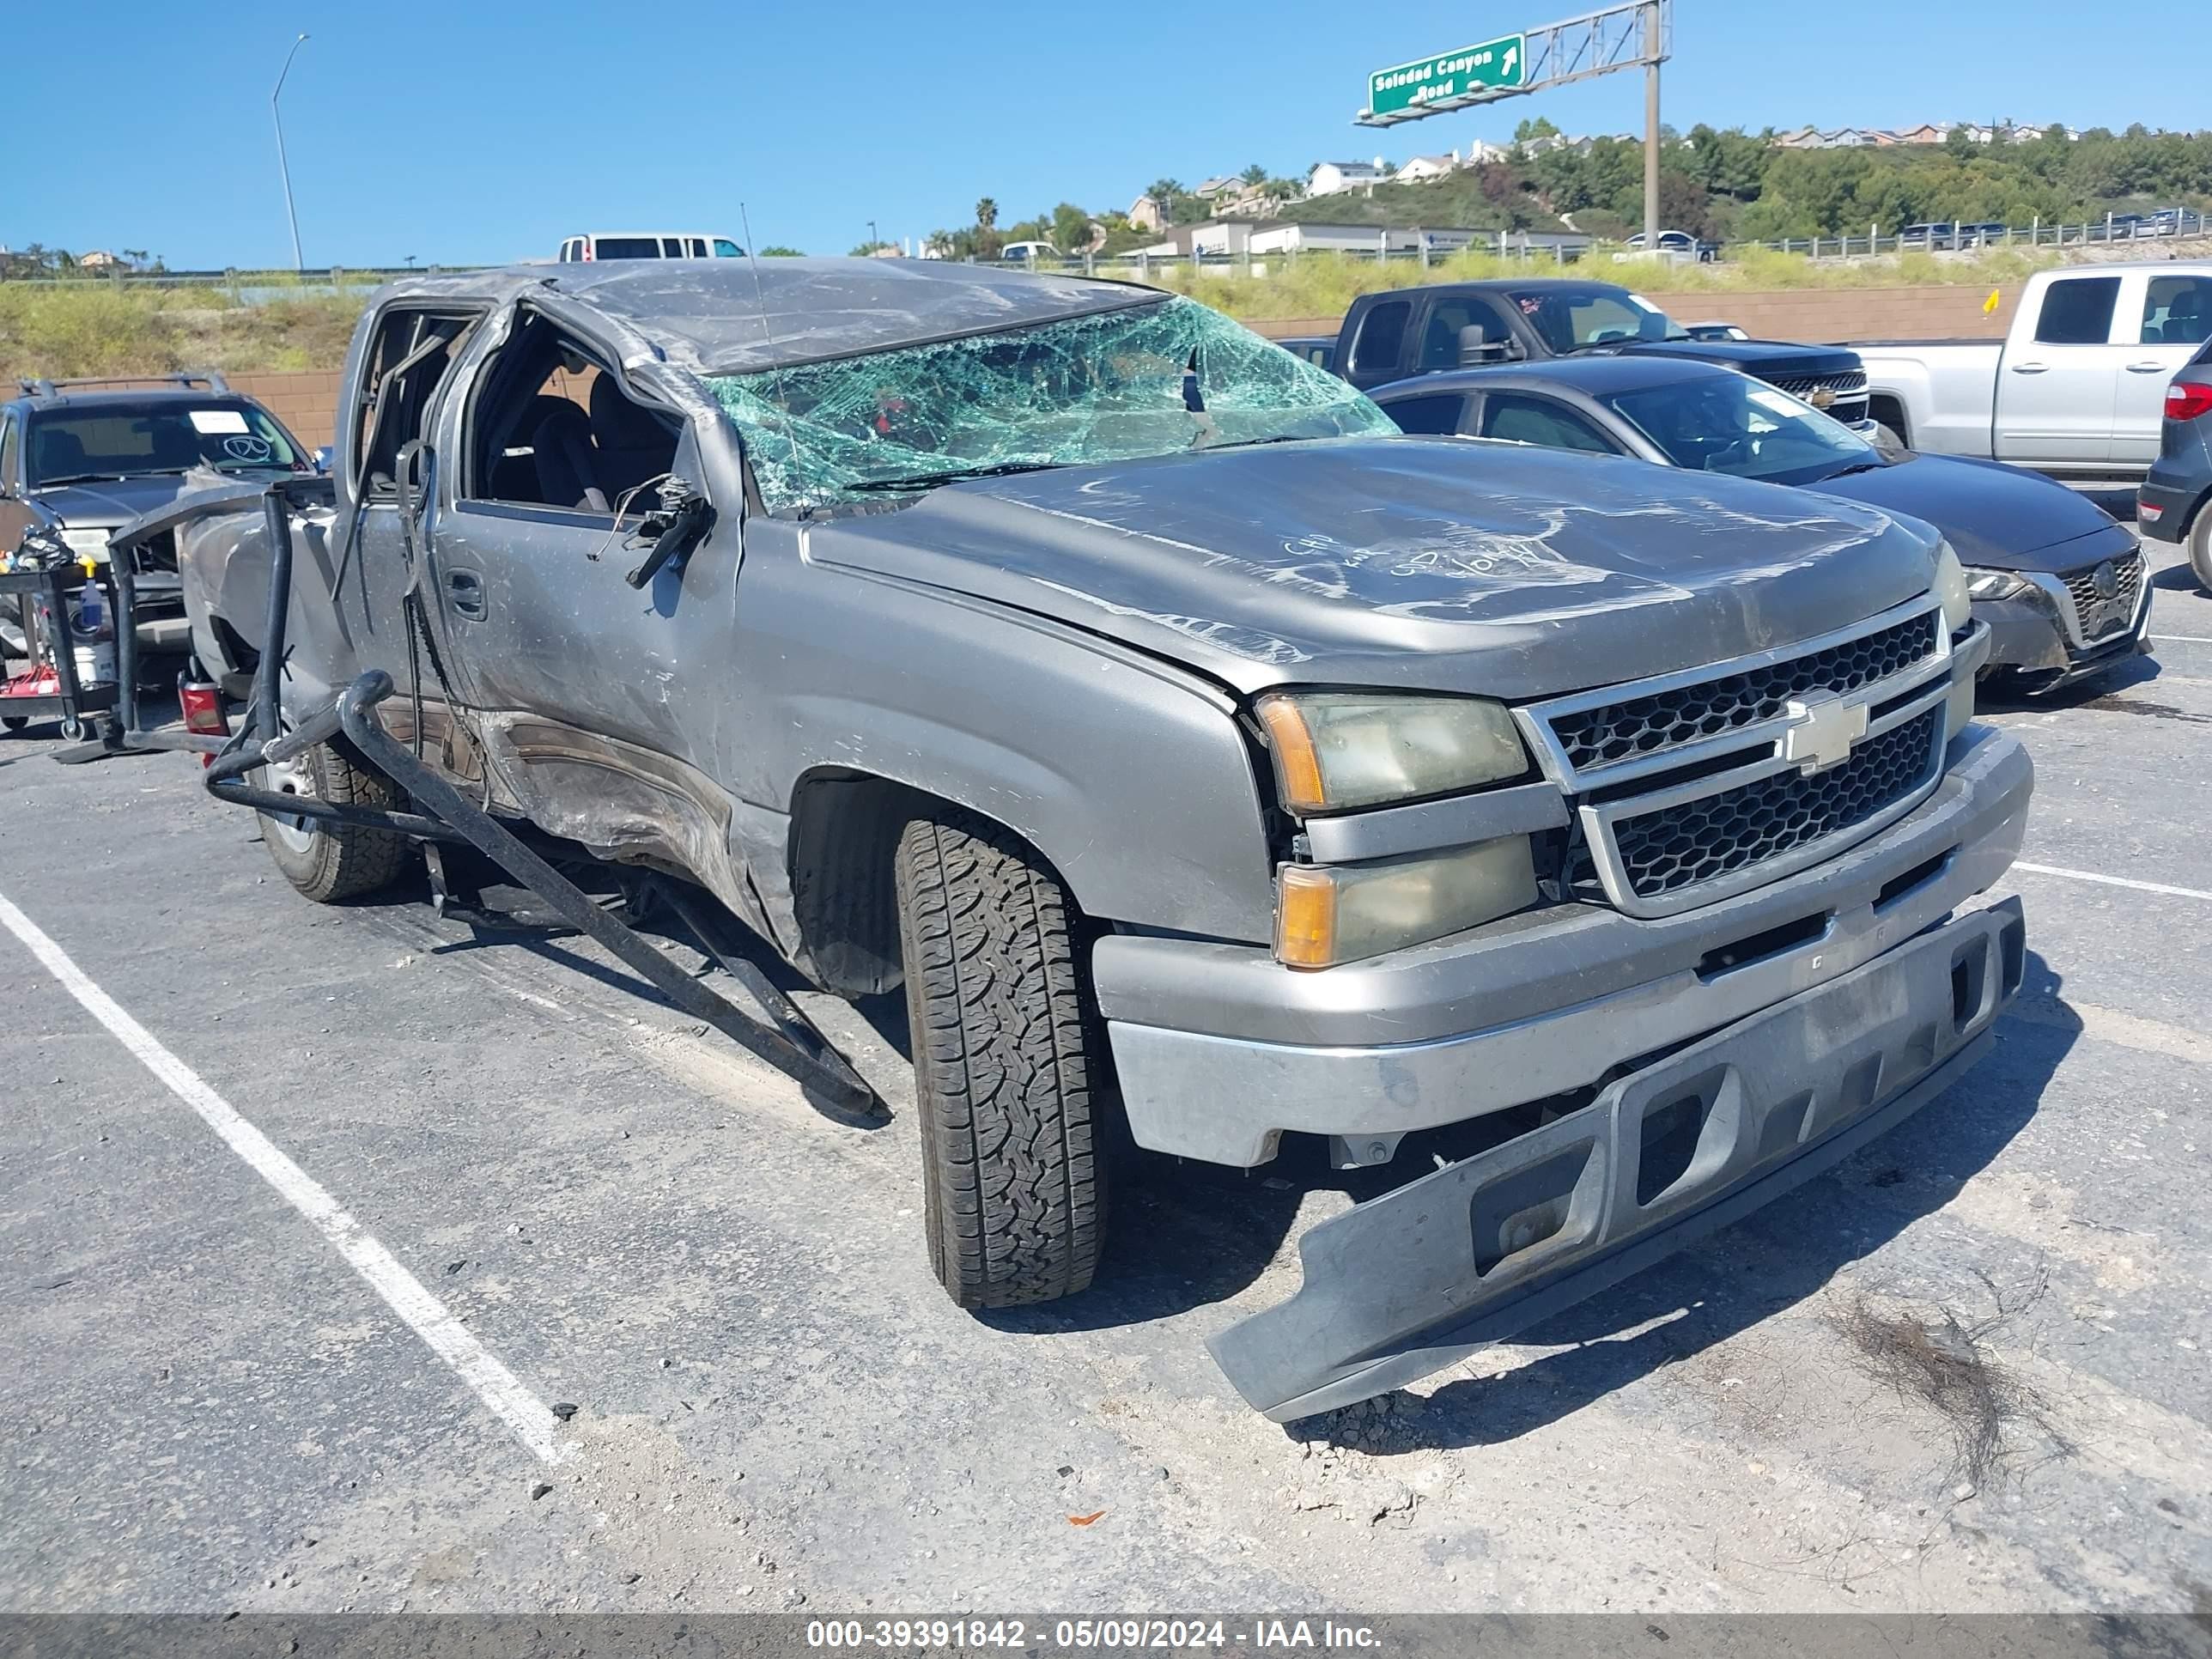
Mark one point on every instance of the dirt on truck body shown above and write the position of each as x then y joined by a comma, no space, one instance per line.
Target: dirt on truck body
1202,755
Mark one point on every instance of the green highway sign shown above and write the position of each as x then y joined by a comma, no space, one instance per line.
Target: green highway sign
1497,65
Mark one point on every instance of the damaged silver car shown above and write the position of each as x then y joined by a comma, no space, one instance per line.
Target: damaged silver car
1198,752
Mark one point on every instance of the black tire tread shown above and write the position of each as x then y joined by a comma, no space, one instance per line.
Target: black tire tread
1006,1046
345,862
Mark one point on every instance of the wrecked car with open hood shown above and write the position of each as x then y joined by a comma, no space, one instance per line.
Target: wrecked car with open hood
1196,750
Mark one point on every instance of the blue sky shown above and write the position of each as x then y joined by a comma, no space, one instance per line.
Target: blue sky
495,130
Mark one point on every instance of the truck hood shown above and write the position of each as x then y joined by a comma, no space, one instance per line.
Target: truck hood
1998,516
1423,562
1765,359
109,501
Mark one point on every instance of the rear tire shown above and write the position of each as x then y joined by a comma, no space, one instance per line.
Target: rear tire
2200,547
1009,1065
328,862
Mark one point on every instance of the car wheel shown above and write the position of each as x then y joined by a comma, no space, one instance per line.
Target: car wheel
1009,1065
2200,547
16,723
327,862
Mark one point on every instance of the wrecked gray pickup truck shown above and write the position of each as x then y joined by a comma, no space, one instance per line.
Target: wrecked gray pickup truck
1195,748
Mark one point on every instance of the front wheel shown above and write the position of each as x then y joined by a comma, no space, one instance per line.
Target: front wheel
2200,547
325,861
1009,1065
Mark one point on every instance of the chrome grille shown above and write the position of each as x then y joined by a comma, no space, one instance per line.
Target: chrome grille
1688,787
1848,390
2095,616
1706,840
1648,725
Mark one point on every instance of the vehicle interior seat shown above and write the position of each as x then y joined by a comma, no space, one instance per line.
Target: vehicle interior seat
57,453
633,444
173,447
514,477
2184,326
567,465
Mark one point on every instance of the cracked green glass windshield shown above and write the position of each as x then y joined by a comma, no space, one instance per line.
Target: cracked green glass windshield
1150,380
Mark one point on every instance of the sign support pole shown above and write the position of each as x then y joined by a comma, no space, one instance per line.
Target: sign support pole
1652,128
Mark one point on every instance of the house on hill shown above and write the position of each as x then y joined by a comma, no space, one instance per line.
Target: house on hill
1427,167
1335,177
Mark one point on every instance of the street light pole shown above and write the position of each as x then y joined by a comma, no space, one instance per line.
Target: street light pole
284,168
874,241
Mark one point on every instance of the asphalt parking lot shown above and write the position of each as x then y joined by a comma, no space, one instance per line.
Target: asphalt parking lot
311,1215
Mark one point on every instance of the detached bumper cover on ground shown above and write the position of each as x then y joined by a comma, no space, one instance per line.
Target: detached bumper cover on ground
1412,1282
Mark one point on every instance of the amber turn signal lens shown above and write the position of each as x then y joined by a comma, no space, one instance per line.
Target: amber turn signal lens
1305,918
1298,765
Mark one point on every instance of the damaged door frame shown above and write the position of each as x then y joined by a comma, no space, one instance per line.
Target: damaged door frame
780,1034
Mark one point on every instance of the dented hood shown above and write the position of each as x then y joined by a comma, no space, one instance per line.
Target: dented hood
1438,563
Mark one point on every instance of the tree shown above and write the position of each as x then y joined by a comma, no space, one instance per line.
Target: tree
1164,191
1533,128
1255,175
1071,229
987,240
867,248
780,252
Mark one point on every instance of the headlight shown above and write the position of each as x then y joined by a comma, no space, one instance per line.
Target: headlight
1326,915
1336,750
1995,585
88,543
1951,588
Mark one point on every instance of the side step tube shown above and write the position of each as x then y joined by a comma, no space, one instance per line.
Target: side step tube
791,1043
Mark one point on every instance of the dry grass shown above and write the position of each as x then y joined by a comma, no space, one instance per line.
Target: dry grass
1945,1364
105,328
1324,284
95,327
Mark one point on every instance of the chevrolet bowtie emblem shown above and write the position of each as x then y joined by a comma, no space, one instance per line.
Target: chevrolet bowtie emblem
1823,397
1822,729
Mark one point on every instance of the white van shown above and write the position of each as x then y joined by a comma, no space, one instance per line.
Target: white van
648,245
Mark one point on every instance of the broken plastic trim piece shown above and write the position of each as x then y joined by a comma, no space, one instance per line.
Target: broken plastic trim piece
785,1040
1405,1284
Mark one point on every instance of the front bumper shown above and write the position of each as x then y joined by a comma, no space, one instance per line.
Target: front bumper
2039,635
1218,1048
1405,1283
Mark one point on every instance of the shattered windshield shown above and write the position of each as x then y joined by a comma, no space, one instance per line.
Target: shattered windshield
1147,379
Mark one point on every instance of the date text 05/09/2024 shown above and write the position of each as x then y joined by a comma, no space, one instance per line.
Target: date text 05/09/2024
1106,1635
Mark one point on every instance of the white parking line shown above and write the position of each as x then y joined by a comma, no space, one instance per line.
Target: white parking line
2181,639
530,1419
2113,881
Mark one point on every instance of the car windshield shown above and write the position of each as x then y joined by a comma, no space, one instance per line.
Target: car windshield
1569,317
130,440
1144,380
1731,423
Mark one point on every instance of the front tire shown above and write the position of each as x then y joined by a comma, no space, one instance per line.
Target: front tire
2200,547
1009,1066
327,862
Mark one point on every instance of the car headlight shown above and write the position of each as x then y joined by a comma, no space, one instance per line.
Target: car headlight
1995,585
1326,915
1338,749
88,543
1951,588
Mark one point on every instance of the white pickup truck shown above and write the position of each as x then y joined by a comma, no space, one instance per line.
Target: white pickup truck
2075,389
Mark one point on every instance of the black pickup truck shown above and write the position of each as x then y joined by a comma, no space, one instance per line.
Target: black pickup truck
1420,331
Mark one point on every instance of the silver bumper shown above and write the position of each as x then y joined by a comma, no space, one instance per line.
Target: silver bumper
1413,1280
1218,1048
